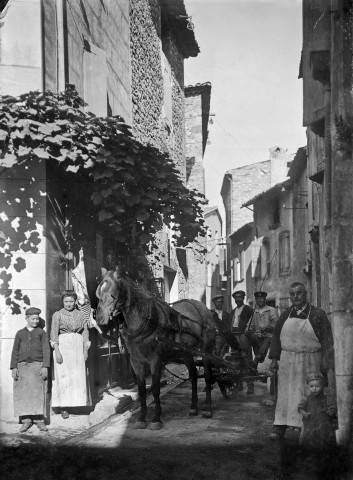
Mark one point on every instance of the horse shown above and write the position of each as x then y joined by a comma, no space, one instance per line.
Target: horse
156,333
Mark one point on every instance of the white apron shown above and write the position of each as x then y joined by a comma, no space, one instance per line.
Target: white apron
69,385
301,355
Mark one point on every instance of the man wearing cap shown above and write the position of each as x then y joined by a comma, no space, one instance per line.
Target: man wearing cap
30,361
240,317
222,323
260,328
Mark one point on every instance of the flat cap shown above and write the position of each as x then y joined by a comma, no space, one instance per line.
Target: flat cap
260,294
33,311
240,292
216,297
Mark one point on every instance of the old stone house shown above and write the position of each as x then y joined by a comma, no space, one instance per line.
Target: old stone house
239,185
124,58
279,245
216,280
326,70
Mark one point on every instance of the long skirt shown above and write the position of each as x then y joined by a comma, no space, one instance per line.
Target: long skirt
293,368
70,382
29,390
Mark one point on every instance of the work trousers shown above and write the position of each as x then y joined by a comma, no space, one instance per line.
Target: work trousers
260,345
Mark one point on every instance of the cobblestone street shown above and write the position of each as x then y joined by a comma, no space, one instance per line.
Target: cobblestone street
233,444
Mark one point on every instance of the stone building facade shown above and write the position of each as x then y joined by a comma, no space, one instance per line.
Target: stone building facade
124,58
326,70
238,185
215,257
279,246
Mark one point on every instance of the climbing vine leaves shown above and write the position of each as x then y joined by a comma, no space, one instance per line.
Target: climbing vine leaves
135,188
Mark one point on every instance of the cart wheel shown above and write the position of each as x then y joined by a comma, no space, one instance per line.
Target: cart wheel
227,390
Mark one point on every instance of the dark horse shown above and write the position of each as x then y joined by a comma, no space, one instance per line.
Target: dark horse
155,334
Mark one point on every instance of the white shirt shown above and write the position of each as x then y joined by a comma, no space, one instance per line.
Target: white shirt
237,312
219,313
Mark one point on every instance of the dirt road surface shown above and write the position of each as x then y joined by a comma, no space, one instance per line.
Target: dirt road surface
233,445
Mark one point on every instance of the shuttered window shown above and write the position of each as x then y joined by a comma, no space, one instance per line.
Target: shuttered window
95,80
284,253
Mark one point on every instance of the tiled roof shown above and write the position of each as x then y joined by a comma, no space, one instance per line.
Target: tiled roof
269,191
178,21
298,164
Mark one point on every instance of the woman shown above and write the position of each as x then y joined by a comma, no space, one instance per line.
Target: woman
70,340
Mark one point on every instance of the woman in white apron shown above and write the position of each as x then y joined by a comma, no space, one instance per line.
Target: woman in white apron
301,344
70,339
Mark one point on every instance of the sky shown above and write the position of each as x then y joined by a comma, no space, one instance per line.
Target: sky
250,52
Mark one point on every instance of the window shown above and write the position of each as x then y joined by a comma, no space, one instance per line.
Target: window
167,93
255,259
265,258
284,253
95,80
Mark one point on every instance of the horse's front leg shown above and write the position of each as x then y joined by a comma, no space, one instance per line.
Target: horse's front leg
139,370
207,366
156,371
190,364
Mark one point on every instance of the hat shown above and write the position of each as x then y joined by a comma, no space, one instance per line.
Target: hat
314,376
217,297
240,292
32,311
260,294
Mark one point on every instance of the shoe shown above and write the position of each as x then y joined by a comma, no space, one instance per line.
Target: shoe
42,427
25,426
278,432
64,414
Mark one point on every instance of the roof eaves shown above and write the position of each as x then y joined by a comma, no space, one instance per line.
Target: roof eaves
269,191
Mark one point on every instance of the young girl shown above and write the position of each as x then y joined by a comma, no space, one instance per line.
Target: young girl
318,411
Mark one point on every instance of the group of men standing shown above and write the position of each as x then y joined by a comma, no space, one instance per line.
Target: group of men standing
299,343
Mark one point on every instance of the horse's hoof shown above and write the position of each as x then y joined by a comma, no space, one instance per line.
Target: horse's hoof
207,414
140,425
193,412
156,425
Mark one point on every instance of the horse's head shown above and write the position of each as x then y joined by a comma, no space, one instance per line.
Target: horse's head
109,295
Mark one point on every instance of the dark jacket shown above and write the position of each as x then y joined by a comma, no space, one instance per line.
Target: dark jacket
244,318
322,329
30,346
224,324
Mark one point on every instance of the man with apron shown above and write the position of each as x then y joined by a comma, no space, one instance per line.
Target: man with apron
302,343
222,323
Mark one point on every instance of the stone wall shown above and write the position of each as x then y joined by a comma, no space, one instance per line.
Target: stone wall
106,25
247,182
147,52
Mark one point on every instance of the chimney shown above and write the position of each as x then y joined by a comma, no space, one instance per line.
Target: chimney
279,159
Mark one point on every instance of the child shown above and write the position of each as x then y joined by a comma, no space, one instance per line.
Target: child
318,431
30,361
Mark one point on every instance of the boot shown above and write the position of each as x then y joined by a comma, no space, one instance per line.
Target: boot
26,426
41,426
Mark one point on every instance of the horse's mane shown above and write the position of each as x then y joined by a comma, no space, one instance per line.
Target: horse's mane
138,293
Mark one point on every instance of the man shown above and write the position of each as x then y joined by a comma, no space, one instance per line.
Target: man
302,343
30,361
240,317
241,314
222,322
258,332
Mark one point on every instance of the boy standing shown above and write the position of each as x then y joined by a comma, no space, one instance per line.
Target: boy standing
30,361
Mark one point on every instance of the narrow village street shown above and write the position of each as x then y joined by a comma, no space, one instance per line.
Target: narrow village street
233,444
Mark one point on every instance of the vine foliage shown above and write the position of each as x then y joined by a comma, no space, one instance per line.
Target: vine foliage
135,188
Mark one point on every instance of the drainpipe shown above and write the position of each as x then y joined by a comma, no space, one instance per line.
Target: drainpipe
60,45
